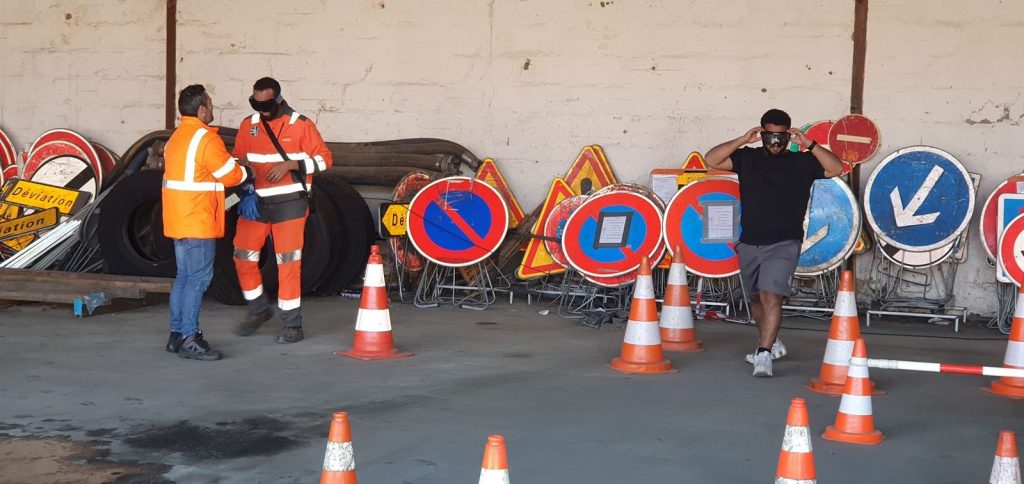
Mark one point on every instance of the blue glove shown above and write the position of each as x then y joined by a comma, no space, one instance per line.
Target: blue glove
249,208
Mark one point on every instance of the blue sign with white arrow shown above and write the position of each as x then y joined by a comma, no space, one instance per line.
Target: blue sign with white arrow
919,198
831,227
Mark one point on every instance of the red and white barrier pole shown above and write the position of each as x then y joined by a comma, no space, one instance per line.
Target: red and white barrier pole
945,368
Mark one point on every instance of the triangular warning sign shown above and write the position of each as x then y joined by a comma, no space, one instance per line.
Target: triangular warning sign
489,174
695,162
536,261
591,171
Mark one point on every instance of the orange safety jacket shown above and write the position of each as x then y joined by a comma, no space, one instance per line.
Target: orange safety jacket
300,140
197,167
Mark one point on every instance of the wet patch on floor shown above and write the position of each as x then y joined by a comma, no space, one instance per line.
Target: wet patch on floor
59,460
256,436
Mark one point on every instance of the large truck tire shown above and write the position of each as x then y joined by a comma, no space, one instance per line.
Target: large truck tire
131,229
351,247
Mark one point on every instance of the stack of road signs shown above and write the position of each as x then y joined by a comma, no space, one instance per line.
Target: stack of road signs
537,262
489,173
990,219
394,218
830,227
554,227
919,199
612,231
28,208
457,221
702,219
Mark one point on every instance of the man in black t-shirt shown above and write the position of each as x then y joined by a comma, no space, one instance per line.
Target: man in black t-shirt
775,187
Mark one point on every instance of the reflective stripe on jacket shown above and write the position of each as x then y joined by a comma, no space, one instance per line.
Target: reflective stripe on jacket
197,167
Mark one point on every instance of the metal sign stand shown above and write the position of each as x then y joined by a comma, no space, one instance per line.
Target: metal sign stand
719,292
921,293
1003,319
815,296
469,287
403,275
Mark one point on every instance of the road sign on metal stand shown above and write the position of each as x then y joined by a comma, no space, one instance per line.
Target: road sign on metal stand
686,226
1011,251
989,223
457,221
611,232
830,228
919,198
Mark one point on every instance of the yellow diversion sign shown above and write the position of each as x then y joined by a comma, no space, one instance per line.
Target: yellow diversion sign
40,196
28,224
392,219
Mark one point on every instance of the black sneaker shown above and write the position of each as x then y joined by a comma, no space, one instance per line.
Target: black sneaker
174,342
196,348
290,334
253,321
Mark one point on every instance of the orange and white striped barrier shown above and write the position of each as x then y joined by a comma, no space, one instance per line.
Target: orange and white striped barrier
676,321
796,459
842,334
641,345
1007,386
855,421
945,368
339,461
373,338
1006,467
494,469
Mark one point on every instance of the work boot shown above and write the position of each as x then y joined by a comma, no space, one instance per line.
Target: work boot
253,321
174,342
290,334
196,348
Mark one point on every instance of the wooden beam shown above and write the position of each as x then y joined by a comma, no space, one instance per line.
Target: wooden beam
860,41
83,281
171,68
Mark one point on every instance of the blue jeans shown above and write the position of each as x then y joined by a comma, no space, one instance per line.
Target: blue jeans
194,259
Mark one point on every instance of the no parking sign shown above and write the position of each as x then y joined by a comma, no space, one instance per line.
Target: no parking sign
1011,250
457,221
611,232
702,220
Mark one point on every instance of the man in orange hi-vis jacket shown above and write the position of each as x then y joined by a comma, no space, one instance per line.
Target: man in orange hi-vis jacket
197,167
284,150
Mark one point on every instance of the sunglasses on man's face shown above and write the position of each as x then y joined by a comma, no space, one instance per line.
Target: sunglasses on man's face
263,106
774,139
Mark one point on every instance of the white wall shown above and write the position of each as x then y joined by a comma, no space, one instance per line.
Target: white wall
649,81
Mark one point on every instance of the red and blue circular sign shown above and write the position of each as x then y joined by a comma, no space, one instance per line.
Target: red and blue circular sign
684,226
1011,250
611,232
457,221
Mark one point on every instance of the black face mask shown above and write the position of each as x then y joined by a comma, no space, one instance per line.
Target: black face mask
778,140
270,106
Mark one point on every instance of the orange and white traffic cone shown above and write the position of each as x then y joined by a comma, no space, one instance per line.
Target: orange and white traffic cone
855,422
1006,467
796,460
641,346
1009,386
494,470
373,338
339,463
845,330
676,322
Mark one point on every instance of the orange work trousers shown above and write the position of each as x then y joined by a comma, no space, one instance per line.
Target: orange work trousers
288,241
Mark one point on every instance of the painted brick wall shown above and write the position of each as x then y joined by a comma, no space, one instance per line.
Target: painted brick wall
93,66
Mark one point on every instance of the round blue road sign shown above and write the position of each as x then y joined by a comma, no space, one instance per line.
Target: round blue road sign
830,228
457,221
919,198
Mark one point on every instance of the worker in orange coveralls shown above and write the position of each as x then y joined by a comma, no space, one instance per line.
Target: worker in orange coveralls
284,150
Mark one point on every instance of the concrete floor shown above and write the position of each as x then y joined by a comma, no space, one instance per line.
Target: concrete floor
262,414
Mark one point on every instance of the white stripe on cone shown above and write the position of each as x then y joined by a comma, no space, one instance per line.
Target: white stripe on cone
675,317
1005,470
786,480
1014,353
642,333
796,439
846,304
339,457
644,288
677,274
1018,310
493,476
855,404
373,320
374,276
858,368
838,352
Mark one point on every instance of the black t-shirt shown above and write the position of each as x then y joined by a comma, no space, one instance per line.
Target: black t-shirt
774,191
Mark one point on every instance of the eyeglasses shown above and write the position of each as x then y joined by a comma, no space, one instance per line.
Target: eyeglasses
774,139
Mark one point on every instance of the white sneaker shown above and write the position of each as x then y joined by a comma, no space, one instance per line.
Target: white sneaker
763,364
778,351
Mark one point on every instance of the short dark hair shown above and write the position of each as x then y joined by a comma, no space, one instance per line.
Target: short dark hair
268,83
776,116
190,99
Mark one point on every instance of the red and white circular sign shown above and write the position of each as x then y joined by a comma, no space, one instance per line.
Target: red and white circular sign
49,150
989,223
853,138
68,136
8,155
1011,250
555,226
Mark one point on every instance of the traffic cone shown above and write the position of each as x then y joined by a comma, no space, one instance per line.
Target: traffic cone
855,423
845,330
494,470
796,460
1006,467
676,322
373,339
339,463
641,346
1009,386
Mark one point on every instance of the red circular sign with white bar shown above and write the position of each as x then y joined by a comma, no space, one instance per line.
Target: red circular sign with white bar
853,138
1011,250
989,223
